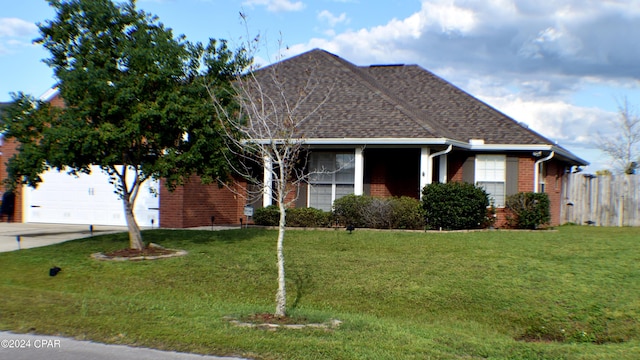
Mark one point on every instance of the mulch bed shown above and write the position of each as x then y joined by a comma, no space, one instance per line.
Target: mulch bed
151,252
147,251
272,319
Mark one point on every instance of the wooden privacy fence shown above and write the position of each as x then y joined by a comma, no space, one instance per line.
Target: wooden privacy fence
604,200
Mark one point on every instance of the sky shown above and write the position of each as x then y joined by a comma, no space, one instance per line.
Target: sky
561,67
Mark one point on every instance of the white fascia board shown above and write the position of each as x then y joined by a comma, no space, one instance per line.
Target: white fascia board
527,147
508,147
365,141
49,94
433,141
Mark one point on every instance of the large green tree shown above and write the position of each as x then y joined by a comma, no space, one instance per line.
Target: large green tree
136,102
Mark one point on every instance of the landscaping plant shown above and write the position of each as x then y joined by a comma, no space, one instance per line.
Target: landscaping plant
455,206
528,210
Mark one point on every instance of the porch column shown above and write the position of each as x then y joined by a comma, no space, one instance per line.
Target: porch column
267,182
358,185
426,168
443,169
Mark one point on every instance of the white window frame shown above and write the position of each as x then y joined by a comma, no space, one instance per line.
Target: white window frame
492,169
330,174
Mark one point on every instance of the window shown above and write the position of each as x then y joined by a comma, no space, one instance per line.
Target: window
491,175
332,177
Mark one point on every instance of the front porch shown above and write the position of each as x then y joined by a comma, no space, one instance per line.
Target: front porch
374,171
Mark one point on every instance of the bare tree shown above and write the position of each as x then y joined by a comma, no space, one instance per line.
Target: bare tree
267,129
623,146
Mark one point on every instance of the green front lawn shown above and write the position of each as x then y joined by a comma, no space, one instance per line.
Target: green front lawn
567,294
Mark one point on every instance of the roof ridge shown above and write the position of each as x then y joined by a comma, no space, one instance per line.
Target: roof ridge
490,107
419,115
416,114
374,85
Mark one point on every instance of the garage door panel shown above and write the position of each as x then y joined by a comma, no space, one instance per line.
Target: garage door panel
85,199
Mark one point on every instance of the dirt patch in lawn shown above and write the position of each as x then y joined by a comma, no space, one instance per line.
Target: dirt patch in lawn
150,252
271,322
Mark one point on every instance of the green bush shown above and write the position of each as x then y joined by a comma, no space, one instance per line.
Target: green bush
528,210
454,206
379,213
308,217
267,216
350,210
406,213
296,217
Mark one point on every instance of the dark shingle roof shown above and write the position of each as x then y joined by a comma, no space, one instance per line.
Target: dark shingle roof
393,101
440,103
353,107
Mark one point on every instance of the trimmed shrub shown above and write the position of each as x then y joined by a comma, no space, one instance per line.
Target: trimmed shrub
308,217
528,210
406,213
376,214
268,216
454,206
350,210
296,217
379,213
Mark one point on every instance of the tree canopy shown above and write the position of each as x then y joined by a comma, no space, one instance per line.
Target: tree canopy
623,144
136,99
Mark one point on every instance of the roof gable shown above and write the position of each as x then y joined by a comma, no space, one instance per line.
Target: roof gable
354,106
391,101
440,102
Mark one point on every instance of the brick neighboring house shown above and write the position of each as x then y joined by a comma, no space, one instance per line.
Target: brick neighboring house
7,149
398,128
387,130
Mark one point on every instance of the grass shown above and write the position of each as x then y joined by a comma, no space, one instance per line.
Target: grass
567,294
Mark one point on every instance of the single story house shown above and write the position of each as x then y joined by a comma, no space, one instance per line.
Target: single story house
385,130
389,130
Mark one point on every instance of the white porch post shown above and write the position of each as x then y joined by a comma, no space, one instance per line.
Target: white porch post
358,185
267,182
426,168
443,169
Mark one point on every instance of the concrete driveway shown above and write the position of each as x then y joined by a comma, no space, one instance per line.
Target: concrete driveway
41,347
36,235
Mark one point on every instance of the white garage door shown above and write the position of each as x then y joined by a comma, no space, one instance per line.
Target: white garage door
86,199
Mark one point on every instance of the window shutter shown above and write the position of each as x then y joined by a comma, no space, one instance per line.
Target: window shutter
468,170
301,201
512,175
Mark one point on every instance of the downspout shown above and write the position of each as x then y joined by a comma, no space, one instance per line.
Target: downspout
440,153
443,152
536,171
427,173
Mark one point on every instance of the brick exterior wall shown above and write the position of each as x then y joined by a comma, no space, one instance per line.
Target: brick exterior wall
454,166
392,172
8,149
526,165
194,203
57,101
553,177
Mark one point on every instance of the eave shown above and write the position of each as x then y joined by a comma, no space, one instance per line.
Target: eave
348,142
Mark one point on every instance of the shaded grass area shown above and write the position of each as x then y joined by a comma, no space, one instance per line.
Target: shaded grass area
567,294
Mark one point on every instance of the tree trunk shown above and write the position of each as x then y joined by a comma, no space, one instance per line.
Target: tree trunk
281,295
135,236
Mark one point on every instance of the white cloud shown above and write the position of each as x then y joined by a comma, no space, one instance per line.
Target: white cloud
332,20
527,58
15,33
13,27
447,16
277,5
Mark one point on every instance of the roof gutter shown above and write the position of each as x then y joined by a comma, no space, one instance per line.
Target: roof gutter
446,151
337,142
536,171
